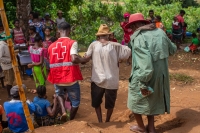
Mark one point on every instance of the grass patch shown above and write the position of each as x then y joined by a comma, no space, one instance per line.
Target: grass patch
181,77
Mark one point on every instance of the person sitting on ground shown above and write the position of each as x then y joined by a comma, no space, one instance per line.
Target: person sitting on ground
18,35
60,18
5,61
195,43
158,23
151,17
37,65
105,56
44,111
112,37
14,111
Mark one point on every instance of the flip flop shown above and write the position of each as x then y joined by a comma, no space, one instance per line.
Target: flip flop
63,118
136,129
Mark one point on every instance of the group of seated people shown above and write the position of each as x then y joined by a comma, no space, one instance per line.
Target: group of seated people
45,113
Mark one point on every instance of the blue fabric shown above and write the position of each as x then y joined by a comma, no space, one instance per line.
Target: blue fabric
41,105
29,71
39,30
16,117
73,92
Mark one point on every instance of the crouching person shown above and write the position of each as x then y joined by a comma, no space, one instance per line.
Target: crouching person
15,113
44,112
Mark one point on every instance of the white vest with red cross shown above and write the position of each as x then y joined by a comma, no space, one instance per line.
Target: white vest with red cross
62,70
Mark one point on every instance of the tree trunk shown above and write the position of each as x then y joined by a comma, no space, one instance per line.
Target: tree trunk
23,11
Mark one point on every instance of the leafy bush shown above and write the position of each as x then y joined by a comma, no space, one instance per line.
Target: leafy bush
86,15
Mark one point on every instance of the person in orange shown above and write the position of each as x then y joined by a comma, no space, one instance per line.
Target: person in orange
127,31
158,23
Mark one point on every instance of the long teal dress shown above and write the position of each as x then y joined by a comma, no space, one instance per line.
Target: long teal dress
150,52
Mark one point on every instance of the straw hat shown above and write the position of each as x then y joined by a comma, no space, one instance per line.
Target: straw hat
137,17
59,11
103,30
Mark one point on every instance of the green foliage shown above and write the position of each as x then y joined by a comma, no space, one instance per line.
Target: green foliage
86,15
181,77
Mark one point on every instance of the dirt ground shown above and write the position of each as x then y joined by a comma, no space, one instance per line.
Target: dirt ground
185,105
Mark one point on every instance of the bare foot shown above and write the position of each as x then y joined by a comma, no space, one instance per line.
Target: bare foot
137,129
64,117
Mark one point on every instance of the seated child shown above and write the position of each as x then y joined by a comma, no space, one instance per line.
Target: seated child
158,23
15,113
43,107
112,37
195,43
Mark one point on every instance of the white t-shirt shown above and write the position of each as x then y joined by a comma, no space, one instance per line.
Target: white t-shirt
59,21
105,58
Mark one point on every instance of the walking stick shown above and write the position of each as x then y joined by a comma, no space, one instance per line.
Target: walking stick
15,67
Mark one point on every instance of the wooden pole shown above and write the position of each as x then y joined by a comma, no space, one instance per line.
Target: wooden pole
15,68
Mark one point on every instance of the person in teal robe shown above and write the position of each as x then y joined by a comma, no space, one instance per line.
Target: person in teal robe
149,88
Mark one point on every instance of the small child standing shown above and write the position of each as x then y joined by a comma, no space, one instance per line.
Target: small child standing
175,24
18,35
195,43
44,112
32,34
46,43
158,23
38,67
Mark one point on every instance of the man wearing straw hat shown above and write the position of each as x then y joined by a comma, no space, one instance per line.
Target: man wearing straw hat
105,56
149,89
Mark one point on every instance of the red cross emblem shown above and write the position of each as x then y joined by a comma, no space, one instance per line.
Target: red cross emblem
59,50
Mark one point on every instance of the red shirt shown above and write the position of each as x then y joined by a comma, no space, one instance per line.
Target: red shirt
180,19
114,40
127,32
